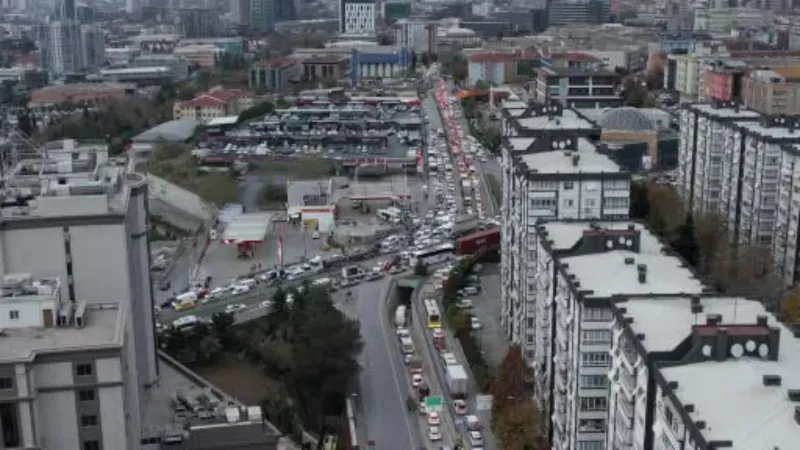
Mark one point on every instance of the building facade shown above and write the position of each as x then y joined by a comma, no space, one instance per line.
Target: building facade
213,104
276,74
79,335
59,42
357,17
773,92
578,87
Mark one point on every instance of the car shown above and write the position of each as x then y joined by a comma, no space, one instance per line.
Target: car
266,303
433,418
408,358
416,380
434,434
438,333
465,303
315,235
470,290
460,407
402,332
234,307
165,285
423,410
475,438
475,323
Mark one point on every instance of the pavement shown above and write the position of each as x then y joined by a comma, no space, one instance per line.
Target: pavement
487,308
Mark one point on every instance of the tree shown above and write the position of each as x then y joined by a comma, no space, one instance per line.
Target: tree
712,237
640,201
509,385
790,306
426,59
273,193
256,111
222,326
665,209
519,426
421,270
685,242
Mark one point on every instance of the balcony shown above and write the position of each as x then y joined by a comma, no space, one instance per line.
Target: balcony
625,408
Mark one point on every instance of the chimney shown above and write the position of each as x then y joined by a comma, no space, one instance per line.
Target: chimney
575,160
641,269
761,320
713,319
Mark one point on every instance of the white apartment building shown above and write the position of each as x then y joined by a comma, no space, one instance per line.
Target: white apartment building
551,171
357,17
701,372
708,156
753,177
77,309
579,267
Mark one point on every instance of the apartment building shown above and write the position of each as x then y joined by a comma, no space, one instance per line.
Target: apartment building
709,158
76,309
687,71
701,372
576,270
578,87
752,177
773,92
551,171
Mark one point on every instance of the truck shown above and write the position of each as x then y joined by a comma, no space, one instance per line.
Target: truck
465,224
400,316
457,381
472,243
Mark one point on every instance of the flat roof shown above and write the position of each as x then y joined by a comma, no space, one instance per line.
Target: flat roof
521,143
569,120
607,274
556,161
731,398
227,120
104,329
296,190
248,227
774,132
667,321
725,113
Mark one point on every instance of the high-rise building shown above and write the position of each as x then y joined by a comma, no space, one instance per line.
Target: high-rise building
78,333
199,22
357,17
93,46
262,15
66,10
60,48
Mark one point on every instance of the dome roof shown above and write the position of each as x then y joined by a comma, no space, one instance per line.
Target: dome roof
628,119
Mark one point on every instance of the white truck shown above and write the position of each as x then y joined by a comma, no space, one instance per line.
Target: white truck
400,316
457,381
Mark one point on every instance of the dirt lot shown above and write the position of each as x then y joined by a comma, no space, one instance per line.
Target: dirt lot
241,380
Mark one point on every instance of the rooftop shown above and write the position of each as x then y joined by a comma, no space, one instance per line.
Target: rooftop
569,120
730,396
775,132
724,113
606,273
585,160
248,227
275,63
177,130
102,326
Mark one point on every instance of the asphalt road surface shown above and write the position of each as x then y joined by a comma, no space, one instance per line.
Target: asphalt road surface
383,386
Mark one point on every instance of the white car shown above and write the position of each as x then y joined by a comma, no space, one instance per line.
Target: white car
402,332
433,418
434,434
460,407
465,303
475,323
266,303
475,438
416,380
233,307
315,235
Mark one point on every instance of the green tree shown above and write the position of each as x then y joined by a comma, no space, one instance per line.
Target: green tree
222,325
790,306
685,242
256,111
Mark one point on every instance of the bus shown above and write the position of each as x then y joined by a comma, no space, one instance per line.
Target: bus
433,255
432,313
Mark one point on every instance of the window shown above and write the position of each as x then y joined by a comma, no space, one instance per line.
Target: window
86,395
89,421
593,403
594,337
83,369
597,315
13,314
530,322
529,339
616,202
568,203
91,445
593,381
591,445
6,383
543,203
569,185
594,359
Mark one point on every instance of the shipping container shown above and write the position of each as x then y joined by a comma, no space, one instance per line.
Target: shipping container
473,243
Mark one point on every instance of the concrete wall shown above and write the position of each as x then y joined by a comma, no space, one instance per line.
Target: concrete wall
164,192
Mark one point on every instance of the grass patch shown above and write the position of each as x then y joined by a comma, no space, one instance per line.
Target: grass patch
217,188
242,380
299,168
